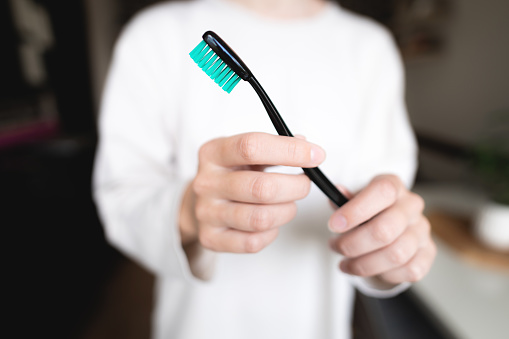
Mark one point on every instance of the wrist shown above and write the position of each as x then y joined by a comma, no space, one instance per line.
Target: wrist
187,219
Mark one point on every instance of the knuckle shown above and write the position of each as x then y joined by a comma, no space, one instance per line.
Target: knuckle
426,225
202,152
199,185
263,188
415,272
398,255
433,249
305,186
260,219
358,269
292,150
247,147
253,244
205,150
418,201
344,247
387,187
382,234
201,211
357,210
291,209
206,240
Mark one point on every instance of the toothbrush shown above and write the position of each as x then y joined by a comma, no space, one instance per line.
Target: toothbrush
223,66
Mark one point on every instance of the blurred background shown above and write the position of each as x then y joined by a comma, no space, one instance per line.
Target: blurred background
65,281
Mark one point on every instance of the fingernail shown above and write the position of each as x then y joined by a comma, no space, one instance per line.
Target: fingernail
343,266
317,155
332,244
338,223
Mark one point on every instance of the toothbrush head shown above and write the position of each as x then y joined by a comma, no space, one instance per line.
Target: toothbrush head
219,62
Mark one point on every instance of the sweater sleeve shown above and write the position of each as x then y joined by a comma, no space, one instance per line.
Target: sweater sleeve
137,188
387,142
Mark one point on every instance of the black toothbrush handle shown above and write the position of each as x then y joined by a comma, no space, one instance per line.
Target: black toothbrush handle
233,61
315,174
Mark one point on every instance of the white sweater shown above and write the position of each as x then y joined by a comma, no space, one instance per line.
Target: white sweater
336,78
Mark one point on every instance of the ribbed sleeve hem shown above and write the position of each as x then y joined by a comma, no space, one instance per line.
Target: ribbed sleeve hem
374,288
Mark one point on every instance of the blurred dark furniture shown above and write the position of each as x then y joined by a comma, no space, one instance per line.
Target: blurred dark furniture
55,257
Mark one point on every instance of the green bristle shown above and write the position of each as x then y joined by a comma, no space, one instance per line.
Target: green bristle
200,55
212,64
226,77
218,63
214,67
198,52
218,70
234,80
205,59
197,49
221,76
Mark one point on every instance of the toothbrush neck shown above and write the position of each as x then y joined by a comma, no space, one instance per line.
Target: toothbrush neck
283,9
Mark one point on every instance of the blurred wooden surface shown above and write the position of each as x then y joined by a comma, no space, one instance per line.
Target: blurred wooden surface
456,232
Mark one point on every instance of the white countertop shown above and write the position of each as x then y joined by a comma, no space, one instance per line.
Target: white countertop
470,300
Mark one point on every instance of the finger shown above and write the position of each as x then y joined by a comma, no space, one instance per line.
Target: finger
415,269
262,149
248,217
381,193
260,187
234,241
381,230
375,234
386,259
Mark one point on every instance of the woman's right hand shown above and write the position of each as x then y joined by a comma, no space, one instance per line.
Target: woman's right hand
232,205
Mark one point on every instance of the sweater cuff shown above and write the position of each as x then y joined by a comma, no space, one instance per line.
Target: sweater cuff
196,263
376,288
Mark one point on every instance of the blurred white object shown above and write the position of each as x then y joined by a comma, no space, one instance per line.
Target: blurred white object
492,225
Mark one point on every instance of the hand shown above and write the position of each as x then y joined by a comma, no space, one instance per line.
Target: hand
384,233
232,205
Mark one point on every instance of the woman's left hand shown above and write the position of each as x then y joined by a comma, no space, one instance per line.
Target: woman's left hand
383,233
